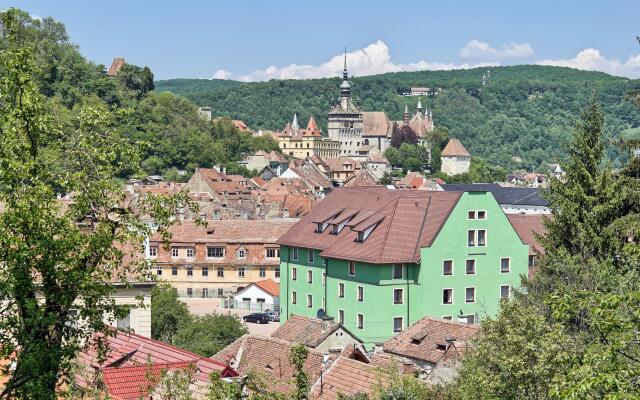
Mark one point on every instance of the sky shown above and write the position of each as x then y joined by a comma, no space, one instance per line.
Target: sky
262,40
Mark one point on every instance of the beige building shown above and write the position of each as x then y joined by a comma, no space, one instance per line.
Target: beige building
303,143
220,258
455,158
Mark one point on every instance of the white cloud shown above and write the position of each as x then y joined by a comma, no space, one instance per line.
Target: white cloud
371,60
592,60
479,51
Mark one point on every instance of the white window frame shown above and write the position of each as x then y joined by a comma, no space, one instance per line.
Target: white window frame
309,300
393,271
341,290
159,270
262,272
360,290
309,276
192,251
508,294
324,279
475,265
469,213
474,295
341,317
351,262
452,298
474,235
215,247
452,267
294,253
508,265
294,273
360,321
220,272
393,300
310,256
175,252
204,271
153,251
294,297
270,250
242,272
478,215
486,238
401,324
189,269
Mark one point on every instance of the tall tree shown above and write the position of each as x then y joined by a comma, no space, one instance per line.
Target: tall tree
168,313
58,256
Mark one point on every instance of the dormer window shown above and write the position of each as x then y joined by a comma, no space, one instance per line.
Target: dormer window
241,253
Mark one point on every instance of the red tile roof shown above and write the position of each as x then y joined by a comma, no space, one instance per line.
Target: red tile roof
347,377
361,178
270,286
428,339
309,331
137,382
228,231
410,220
528,226
240,125
455,148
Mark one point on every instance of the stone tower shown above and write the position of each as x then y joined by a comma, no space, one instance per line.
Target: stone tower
345,119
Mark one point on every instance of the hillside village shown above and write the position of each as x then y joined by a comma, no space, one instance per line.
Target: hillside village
380,259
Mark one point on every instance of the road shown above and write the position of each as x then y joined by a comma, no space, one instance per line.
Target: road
200,306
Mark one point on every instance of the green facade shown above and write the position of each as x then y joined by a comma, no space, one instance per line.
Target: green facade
422,284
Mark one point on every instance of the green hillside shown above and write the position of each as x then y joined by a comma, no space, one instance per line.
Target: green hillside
524,111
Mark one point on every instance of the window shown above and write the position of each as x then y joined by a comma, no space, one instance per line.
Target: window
241,253
309,301
482,215
360,321
205,271
398,296
215,252
174,271
310,256
241,272
470,295
309,276
360,237
190,252
324,278
294,273
447,296
262,272
295,253
449,317
447,267
125,322
397,271
205,293
352,268
360,293
153,251
189,292
505,292
341,289
189,270
277,272
470,267
397,324
341,317
174,252
220,292
532,261
482,237
471,238
294,297
467,319
505,265
159,271
220,272
471,215
271,253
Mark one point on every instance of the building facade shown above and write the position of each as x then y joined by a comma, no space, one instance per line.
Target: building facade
378,260
219,259
455,158
303,143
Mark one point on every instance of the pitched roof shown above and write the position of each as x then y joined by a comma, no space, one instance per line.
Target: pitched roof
240,125
504,195
312,128
270,286
137,381
347,377
406,221
528,226
219,182
270,357
376,123
309,331
361,178
455,148
116,65
429,338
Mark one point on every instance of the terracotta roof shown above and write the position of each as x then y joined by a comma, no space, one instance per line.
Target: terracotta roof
411,220
455,148
270,286
269,357
312,128
376,123
528,226
347,377
309,331
219,182
137,381
240,125
428,339
130,349
228,231
312,175
361,178
338,164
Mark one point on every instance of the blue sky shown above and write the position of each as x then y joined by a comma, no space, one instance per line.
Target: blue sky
258,40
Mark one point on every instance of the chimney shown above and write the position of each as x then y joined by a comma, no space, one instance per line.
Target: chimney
377,348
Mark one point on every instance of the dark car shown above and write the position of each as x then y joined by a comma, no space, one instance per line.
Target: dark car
258,318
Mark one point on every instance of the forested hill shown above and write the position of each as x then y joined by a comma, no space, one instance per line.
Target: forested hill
523,111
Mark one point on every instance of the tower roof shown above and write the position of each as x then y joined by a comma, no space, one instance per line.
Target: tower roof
312,128
294,124
455,148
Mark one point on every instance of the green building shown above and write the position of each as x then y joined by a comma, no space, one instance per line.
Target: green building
378,260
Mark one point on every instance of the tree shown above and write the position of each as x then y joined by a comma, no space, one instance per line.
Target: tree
298,356
60,257
404,134
210,333
168,313
138,80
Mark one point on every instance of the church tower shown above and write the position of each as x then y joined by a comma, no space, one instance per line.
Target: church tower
345,118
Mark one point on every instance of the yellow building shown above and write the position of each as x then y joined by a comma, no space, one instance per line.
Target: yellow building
219,259
303,143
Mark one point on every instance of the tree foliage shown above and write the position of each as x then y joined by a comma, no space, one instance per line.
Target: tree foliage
208,334
168,313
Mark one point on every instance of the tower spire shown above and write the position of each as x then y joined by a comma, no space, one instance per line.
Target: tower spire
345,76
295,125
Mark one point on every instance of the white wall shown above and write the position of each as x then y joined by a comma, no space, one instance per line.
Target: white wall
254,293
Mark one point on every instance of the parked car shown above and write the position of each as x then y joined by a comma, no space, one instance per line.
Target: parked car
258,318
273,315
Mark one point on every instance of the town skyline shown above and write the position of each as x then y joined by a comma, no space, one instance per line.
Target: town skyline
179,43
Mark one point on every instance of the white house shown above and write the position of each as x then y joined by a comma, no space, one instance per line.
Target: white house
455,158
262,295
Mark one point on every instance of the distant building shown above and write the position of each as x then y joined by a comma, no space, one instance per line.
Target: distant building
512,200
420,91
116,65
240,125
302,143
204,113
261,159
260,296
455,158
321,334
